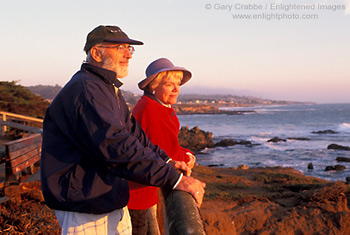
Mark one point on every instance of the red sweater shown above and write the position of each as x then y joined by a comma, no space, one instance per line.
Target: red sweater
162,127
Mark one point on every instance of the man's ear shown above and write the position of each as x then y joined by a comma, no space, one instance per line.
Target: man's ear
96,54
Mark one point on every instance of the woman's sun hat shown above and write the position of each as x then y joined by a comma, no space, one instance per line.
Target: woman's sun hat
162,65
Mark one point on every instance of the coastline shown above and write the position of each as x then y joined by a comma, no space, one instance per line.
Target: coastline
224,108
189,109
272,200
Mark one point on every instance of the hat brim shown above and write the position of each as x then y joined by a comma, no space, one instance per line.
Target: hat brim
125,40
186,76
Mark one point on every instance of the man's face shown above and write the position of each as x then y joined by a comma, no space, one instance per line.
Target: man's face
168,89
116,60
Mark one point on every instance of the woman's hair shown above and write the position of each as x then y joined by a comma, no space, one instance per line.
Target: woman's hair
160,76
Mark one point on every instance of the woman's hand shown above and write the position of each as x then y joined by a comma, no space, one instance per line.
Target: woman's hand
181,166
192,160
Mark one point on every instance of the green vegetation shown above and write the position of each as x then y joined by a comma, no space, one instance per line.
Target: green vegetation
20,100
301,180
224,190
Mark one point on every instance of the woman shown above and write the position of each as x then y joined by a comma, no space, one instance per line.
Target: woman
158,119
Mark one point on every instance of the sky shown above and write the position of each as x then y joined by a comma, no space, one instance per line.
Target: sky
288,50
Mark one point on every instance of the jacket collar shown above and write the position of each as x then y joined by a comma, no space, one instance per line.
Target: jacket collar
153,97
105,75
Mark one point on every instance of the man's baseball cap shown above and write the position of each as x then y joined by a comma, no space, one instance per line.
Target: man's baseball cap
108,34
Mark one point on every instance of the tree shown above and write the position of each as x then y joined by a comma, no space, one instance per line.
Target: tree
15,98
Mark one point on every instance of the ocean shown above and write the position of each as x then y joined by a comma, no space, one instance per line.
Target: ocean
292,121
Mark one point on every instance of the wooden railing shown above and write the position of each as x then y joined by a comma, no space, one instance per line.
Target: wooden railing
19,123
183,214
7,115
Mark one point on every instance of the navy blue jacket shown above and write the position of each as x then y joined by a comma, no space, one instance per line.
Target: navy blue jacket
92,146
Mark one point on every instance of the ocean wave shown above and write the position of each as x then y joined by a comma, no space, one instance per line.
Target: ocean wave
344,127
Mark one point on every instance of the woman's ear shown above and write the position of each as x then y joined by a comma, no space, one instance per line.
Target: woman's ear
96,54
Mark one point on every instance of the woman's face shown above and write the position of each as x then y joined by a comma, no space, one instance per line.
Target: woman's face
168,89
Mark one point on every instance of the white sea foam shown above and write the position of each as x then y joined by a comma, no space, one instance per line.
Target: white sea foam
344,127
283,122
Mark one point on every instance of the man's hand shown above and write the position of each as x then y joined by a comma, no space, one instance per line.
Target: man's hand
192,186
182,166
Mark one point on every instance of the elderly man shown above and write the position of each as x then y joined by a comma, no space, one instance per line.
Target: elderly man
92,145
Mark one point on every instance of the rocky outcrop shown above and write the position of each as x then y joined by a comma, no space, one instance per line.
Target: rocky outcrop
335,168
231,142
338,147
343,159
195,109
324,132
195,139
276,140
184,109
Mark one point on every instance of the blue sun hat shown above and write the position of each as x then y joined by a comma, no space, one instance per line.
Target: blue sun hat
162,65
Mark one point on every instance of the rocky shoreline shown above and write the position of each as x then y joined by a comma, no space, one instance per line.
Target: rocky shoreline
196,140
187,109
240,200
272,201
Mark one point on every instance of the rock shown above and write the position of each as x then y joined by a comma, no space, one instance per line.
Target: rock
276,139
231,142
310,166
338,147
186,109
329,168
343,159
225,143
339,167
347,180
215,165
324,132
243,167
182,109
195,139
335,168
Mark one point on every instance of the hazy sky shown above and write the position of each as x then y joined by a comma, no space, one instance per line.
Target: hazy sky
289,50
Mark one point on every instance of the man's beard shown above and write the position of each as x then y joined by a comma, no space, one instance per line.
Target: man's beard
108,63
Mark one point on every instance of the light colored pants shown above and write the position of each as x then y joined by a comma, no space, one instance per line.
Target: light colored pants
115,222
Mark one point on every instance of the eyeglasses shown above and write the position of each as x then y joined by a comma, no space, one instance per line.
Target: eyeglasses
121,48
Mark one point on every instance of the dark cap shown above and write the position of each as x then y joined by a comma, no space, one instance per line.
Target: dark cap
108,34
